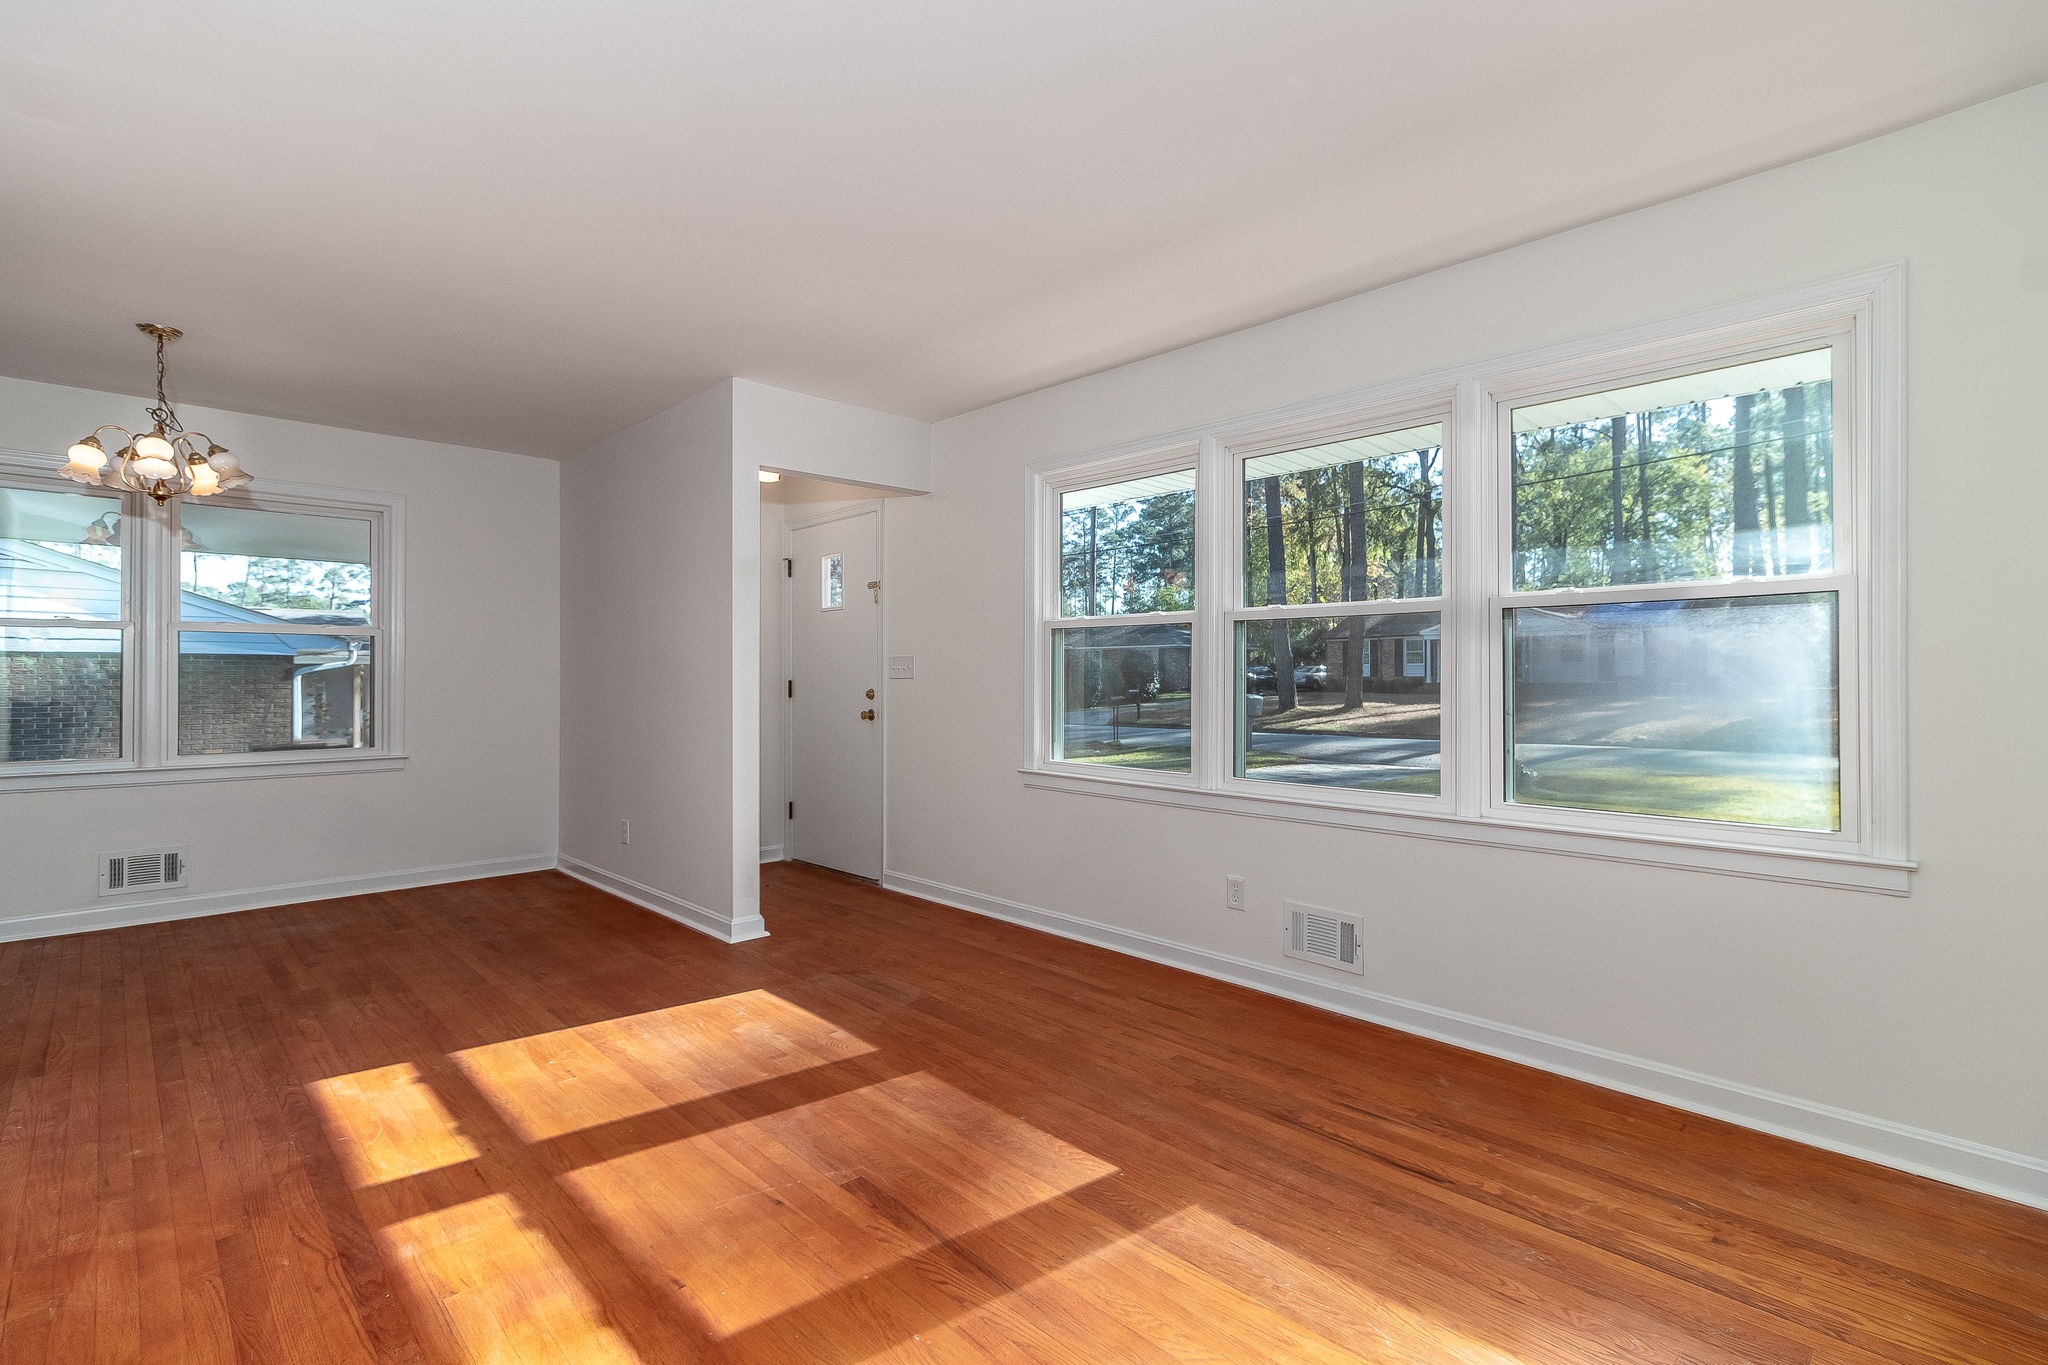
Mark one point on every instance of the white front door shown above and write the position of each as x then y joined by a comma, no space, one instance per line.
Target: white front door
835,712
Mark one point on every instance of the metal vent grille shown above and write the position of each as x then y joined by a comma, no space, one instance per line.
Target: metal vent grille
1325,936
153,870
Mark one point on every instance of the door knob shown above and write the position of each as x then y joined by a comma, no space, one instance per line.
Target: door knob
868,714
871,694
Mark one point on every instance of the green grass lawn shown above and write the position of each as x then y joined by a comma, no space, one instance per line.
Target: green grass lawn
1158,757
1750,801
1161,759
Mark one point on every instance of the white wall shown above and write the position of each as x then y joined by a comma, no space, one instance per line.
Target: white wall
774,717
482,616
1926,1011
661,667
664,681
798,434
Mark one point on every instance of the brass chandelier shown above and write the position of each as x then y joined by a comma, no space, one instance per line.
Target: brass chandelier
166,461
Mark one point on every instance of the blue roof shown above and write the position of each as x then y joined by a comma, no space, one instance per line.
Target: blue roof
76,593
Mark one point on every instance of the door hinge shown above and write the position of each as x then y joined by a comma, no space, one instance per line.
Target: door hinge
792,810
792,687
789,568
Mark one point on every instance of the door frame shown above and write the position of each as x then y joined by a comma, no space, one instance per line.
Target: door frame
843,512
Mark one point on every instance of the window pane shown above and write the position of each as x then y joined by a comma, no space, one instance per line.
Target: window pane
1120,696
60,694
1713,475
254,693
1344,701
1128,547
240,564
832,590
1715,709
1350,521
59,554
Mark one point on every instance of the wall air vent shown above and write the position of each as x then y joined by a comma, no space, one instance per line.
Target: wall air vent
158,869
1326,937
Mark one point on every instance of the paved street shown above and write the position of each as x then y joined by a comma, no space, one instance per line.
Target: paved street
1337,760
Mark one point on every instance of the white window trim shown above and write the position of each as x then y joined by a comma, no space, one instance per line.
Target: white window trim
1861,314
149,721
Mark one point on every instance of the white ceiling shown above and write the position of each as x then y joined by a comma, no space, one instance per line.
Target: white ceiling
524,224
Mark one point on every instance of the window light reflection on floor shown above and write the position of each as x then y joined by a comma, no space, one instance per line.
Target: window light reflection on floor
753,1220
898,1218
549,1084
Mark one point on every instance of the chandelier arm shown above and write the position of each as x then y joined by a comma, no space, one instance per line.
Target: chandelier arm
184,467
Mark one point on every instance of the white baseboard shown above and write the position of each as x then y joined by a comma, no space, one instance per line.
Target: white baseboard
124,914
772,853
661,903
1955,1161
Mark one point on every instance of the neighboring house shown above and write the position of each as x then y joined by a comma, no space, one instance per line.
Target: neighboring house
1396,654
1113,663
238,692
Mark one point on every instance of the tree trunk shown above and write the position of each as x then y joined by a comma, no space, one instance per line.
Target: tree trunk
1767,497
1617,526
1276,594
1094,542
1647,569
1746,533
1356,585
1798,498
1426,569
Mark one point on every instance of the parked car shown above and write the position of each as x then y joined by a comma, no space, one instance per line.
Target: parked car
1261,678
1312,676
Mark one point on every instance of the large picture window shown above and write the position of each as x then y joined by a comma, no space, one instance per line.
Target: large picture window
1629,600
147,643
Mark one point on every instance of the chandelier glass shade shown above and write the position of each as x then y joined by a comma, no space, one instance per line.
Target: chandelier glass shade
165,461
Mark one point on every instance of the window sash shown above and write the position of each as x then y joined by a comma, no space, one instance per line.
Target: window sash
152,625
1857,318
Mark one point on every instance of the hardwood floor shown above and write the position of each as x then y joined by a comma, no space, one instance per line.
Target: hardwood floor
520,1121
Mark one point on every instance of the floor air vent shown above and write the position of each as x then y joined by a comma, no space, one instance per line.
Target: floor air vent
156,870
1325,936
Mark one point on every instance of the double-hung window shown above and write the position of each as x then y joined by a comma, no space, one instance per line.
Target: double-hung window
1631,599
204,638
1337,634
1122,637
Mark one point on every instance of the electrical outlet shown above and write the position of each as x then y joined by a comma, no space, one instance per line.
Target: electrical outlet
625,831
1233,892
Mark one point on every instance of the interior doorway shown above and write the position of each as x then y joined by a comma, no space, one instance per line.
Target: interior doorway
834,695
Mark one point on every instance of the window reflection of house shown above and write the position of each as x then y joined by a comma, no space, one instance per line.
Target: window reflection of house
1697,644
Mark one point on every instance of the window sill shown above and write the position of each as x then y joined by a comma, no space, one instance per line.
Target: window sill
1853,872
51,780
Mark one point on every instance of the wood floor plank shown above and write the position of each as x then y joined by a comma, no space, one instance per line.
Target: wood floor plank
517,1120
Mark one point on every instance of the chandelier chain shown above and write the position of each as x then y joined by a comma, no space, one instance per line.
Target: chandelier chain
164,415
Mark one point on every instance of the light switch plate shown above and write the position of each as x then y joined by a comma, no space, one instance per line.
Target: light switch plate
902,666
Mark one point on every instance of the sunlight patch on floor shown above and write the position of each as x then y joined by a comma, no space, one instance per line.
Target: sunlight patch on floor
499,1293
754,1220
549,1084
388,1123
